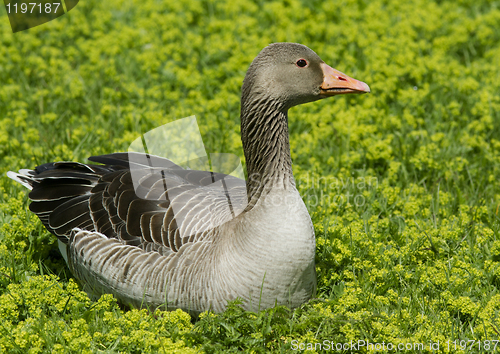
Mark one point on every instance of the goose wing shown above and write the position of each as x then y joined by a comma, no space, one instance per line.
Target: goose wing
157,206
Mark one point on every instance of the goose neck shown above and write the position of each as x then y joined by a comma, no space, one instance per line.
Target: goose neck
265,137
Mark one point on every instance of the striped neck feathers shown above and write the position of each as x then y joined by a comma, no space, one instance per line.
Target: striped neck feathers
265,138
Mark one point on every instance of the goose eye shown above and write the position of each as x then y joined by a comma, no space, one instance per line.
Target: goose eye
301,63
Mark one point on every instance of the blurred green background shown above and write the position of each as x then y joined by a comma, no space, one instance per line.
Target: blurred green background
402,184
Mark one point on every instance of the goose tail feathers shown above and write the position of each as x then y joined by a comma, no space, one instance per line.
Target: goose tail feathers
23,177
60,193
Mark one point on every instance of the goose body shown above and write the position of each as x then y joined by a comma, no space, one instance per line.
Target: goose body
193,239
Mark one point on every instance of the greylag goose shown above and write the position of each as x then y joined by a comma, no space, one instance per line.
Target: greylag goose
170,240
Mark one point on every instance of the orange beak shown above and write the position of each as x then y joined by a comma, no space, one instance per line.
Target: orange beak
337,83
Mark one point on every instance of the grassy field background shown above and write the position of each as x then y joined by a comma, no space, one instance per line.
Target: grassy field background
402,184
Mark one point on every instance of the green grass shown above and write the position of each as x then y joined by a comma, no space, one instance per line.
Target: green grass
402,184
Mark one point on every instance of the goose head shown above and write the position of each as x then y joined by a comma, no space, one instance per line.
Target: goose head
283,75
288,74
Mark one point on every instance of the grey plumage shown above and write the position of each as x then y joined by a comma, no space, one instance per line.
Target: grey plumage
194,239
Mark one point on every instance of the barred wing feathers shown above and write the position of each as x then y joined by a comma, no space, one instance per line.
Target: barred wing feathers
167,208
